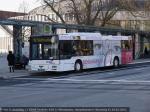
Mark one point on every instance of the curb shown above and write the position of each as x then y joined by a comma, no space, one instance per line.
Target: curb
11,77
138,63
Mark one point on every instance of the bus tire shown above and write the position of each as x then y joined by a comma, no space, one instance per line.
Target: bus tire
116,62
78,66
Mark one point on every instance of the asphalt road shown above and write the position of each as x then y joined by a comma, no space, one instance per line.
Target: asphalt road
123,87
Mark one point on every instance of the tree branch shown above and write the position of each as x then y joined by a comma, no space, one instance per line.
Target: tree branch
54,10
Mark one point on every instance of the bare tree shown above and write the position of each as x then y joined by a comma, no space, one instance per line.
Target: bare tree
23,7
88,12
140,11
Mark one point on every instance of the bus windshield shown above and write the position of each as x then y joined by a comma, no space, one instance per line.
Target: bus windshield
44,48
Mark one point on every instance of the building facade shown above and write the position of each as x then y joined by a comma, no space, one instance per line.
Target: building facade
6,32
122,19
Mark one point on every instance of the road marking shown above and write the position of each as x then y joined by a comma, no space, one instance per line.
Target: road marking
34,79
111,73
139,69
100,81
14,97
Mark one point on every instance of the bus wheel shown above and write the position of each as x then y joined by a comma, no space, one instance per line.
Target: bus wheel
116,62
78,66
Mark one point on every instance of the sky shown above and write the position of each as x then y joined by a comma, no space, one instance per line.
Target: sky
14,5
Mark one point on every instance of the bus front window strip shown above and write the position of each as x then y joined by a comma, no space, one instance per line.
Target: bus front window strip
44,51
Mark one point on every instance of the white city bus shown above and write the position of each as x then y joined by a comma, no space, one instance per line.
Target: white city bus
77,51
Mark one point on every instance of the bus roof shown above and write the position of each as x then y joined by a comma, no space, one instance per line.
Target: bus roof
110,37
122,37
80,36
86,36
90,36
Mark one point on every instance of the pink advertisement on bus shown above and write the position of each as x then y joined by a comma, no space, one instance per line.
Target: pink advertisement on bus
126,57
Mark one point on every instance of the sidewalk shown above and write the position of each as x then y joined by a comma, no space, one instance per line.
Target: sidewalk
4,70
138,61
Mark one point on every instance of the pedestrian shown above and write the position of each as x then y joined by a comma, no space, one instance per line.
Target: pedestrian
11,61
146,51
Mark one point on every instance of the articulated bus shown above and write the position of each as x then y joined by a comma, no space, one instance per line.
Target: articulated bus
77,51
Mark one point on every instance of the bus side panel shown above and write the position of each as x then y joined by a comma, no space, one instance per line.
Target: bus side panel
98,53
126,57
106,51
127,51
66,65
92,62
111,49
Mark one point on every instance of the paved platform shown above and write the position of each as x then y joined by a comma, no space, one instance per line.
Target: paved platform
4,70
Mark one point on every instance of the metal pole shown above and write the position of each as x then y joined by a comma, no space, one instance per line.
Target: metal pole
17,41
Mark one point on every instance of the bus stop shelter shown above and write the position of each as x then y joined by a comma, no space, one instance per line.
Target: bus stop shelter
38,27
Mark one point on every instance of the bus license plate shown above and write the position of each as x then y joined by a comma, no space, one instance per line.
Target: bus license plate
41,70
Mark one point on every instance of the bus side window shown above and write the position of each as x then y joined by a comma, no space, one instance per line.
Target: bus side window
87,48
127,47
123,45
66,49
